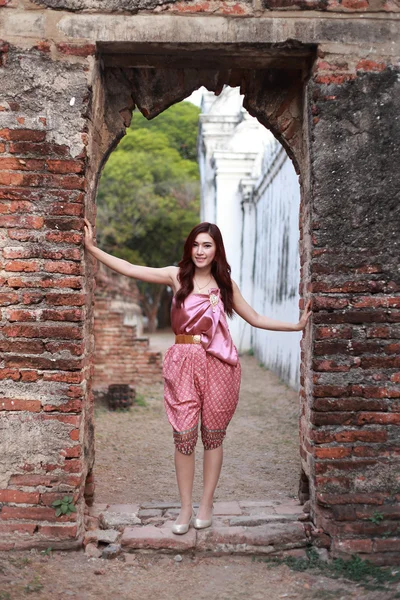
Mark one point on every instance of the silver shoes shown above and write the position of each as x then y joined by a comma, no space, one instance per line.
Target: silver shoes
181,528
202,523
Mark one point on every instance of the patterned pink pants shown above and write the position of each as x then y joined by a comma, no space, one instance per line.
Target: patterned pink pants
197,383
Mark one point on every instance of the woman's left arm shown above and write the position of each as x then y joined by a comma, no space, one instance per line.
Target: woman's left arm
242,308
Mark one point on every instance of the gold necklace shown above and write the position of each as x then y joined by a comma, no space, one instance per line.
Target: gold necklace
202,288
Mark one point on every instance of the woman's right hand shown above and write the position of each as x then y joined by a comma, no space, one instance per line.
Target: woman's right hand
89,236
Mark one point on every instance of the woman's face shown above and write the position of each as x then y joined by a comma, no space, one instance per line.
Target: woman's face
203,251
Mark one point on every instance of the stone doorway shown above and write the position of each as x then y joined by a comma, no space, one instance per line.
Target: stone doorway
272,79
66,99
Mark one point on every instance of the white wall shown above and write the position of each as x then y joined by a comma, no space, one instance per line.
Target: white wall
250,190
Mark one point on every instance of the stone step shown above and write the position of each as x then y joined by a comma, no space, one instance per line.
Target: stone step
263,539
246,527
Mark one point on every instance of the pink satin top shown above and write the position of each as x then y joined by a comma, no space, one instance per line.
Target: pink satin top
198,316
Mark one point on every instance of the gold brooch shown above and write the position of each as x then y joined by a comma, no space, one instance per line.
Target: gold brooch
213,301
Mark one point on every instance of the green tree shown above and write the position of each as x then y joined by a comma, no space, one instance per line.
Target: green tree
148,197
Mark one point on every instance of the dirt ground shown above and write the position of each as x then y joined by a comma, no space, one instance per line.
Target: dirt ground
134,464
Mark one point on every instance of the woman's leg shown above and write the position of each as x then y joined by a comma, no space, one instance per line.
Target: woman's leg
184,467
212,464
220,401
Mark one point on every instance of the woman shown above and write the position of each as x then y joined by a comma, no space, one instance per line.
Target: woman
201,370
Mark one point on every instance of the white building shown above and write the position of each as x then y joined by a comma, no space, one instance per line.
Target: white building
250,189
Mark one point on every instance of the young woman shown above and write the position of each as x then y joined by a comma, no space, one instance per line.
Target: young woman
201,370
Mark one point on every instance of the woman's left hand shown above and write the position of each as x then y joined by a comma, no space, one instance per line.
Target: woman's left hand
304,317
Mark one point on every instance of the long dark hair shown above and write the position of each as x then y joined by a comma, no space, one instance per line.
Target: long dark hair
220,268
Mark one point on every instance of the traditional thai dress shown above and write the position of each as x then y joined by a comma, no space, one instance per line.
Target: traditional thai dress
203,378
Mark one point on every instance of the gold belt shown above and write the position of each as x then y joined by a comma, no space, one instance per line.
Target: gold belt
187,339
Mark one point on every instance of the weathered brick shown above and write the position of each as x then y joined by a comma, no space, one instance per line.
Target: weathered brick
58,531
38,149
65,166
27,266
15,404
29,222
59,266
24,347
39,330
18,497
65,299
62,315
28,135
21,315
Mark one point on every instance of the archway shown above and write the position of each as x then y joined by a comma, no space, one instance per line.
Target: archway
273,93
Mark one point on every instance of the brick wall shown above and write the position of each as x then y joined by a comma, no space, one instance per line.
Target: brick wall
329,92
120,356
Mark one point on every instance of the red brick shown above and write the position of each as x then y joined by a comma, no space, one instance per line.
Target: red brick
7,298
352,316
69,406
65,166
395,378
387,545
62,315
355,498
328,348
15,404
38,149
380,362
60,532
21,252
20,315
348,404
343,465
322,333
32,297
64,223
354,435
29,222
332,452
27,266
65,299
48,480
20,164
67,182
378,332
58,266
323,391
19,527
354,546
45,282
61,237
66,208
23,235
369,65
13,374
377,418
76,49
25,347
330,366
76,349
329,302
74,420
30,513
39,362
28,135
27,375
18,497
43,331
342,483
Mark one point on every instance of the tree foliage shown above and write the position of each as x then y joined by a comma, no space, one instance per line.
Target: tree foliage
148,197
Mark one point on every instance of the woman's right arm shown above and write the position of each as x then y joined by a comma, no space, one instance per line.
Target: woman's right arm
164,275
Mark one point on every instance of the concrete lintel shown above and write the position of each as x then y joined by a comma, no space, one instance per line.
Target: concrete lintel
206,30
